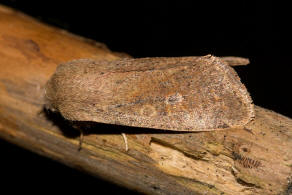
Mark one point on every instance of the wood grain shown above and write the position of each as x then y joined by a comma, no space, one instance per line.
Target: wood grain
157,162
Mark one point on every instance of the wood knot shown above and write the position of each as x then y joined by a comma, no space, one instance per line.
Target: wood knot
246,162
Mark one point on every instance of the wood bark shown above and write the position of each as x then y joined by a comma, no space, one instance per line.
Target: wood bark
256,159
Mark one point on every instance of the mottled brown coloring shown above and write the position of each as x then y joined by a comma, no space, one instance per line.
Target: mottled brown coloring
180,94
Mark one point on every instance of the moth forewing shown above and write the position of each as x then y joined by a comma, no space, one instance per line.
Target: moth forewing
180,94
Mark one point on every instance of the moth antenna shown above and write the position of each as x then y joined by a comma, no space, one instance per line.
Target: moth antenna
126,141
80,139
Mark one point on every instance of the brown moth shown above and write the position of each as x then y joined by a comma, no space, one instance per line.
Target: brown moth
179,94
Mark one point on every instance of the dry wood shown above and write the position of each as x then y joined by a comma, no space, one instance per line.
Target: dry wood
256,159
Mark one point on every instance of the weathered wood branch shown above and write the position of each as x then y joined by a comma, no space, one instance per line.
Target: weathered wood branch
256,159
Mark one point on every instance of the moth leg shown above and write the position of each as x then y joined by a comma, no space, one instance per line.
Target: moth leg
126,141
80,139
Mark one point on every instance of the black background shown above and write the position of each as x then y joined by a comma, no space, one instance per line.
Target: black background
256,30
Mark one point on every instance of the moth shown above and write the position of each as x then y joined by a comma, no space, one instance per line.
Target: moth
169,93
